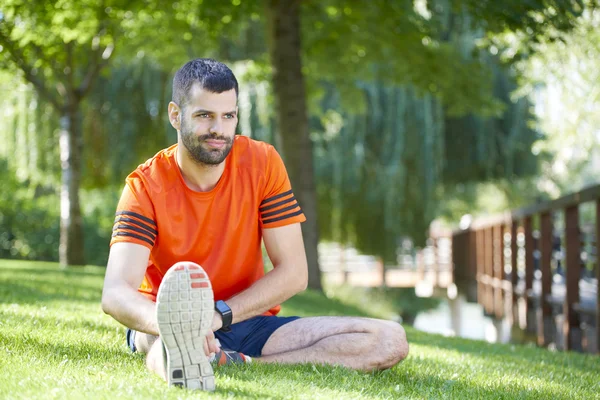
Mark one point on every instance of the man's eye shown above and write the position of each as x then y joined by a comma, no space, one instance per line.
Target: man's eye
204,115
229,116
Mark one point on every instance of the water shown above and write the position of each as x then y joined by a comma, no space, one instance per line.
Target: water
459,318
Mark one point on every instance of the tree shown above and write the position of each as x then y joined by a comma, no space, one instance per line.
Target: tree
562,79
292,119
61,49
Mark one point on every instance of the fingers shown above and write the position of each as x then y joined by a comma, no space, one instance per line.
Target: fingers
213,346
206,349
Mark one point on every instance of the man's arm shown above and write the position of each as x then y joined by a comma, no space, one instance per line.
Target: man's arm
285,248
127,263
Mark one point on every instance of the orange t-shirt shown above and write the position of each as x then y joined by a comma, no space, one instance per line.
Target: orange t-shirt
220,229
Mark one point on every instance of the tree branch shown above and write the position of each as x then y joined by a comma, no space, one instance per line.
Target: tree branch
39,53
17,56
97,65
93,72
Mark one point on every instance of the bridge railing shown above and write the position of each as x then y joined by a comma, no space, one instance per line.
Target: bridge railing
538,266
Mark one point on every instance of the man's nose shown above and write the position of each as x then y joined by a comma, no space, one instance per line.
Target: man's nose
217,126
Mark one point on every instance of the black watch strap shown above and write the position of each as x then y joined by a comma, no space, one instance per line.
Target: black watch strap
227,316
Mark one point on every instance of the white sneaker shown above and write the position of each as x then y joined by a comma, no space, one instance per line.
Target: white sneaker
184,310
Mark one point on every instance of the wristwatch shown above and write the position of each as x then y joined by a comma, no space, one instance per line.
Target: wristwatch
222,308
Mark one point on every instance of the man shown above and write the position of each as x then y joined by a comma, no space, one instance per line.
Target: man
188,232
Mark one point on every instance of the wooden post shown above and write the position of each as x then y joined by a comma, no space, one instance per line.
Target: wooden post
502,276
489,270
598,276
479,239
514,274
472,289
545,311
529,268
498,234
573,272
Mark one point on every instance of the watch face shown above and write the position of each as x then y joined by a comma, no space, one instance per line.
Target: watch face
226,314
222,307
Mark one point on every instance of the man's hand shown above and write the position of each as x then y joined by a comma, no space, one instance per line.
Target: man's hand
210,344
217,322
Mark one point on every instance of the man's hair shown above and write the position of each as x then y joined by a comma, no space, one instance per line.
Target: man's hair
212,75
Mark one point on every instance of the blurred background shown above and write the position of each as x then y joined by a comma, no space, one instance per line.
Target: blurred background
393,117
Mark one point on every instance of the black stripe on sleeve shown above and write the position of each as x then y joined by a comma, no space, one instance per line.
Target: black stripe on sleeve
133,235
279,203
140,216
136,222
280,195
279,212
133,228
268,221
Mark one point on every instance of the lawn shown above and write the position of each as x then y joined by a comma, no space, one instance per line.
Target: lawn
55,342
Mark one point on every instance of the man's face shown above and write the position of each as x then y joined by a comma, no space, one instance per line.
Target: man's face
208,122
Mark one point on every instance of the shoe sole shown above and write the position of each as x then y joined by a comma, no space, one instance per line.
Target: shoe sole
184,310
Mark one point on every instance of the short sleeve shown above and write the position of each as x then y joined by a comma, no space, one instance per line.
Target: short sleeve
279,206
135,220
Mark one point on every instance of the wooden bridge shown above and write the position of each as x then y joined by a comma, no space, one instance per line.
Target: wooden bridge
536,267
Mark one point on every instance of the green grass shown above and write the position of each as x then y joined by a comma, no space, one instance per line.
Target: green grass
55,342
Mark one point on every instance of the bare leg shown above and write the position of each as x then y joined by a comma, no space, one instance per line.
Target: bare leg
357,343
155,360
150,345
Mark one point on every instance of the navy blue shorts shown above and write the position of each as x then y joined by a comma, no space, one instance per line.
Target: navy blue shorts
246,337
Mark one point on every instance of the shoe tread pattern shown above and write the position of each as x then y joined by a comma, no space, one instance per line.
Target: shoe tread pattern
185,308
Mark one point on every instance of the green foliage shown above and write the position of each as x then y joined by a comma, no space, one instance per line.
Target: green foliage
386,174
57,343
408,108
540,20
485,149
30,220
125,122
563,79
379,171
28,133
346,42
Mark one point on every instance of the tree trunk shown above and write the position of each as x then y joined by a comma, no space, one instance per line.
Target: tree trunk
292,120
71,250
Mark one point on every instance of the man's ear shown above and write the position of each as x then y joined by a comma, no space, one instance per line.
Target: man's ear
175,115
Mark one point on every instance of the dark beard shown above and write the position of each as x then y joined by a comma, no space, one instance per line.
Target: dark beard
201,155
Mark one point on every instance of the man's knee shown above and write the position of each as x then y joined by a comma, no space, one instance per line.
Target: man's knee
394,345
